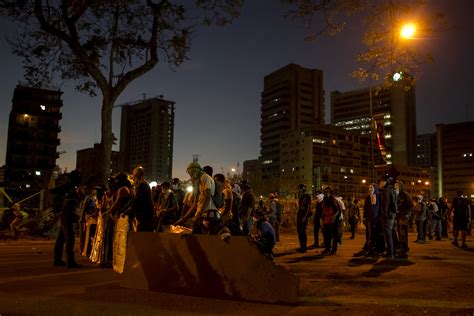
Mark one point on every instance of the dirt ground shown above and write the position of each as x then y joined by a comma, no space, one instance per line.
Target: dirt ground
437,279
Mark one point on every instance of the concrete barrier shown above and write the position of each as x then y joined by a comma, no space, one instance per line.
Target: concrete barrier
206,266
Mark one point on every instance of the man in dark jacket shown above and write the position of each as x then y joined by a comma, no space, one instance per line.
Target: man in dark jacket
66,203
388,211
461,219
141,206
304,212
405,209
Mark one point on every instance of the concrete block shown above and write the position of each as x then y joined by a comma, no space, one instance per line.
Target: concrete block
205,266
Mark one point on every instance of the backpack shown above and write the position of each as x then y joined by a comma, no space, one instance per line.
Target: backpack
218,197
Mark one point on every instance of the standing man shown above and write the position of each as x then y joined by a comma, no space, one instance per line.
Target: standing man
405,209
66,203
141,206
352,214
461,219
388,208
247,207
304,212
203,198
331,213
318,213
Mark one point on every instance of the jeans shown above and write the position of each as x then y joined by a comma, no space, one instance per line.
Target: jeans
402,230
420,227
301,224
331,234
436,227
66,236
388,227
317,225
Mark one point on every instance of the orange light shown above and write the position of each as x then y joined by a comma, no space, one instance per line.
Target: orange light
408,30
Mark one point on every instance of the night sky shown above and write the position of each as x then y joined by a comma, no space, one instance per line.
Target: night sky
217,92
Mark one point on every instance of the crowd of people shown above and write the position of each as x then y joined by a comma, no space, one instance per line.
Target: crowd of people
214,206
388,214
217,206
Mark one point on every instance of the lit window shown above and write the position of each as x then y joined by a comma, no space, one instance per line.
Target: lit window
266,162
38,173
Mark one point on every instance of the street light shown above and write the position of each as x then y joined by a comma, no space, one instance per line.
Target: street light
407,31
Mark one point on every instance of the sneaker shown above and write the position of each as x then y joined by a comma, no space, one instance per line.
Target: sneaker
59,263
455,243
325,252
332,252
464,246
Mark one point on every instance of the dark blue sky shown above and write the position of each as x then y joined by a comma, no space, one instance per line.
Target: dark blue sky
217,92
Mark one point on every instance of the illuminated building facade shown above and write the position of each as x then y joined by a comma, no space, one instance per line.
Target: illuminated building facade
292,99
325,156
394,114
146,138
33,129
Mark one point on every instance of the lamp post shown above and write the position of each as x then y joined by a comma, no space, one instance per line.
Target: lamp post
407,31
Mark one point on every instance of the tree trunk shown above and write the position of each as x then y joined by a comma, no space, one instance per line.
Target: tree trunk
106,140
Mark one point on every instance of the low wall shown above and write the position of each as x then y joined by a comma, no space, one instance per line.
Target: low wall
206,266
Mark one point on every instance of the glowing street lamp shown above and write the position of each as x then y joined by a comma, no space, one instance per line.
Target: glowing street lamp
408,30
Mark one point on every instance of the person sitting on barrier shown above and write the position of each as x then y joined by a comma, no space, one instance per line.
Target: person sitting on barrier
265,239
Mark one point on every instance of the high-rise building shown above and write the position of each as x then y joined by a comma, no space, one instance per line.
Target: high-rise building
86,163
292,99
455,147
325,156
394,115
32,137
146,138
425,150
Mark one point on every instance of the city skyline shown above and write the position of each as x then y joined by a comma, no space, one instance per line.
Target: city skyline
220,85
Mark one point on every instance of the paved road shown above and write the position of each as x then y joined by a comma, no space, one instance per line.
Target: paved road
438,279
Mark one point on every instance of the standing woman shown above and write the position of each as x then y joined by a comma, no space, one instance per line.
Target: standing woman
371,215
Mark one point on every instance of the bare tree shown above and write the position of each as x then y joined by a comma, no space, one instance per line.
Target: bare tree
104,45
